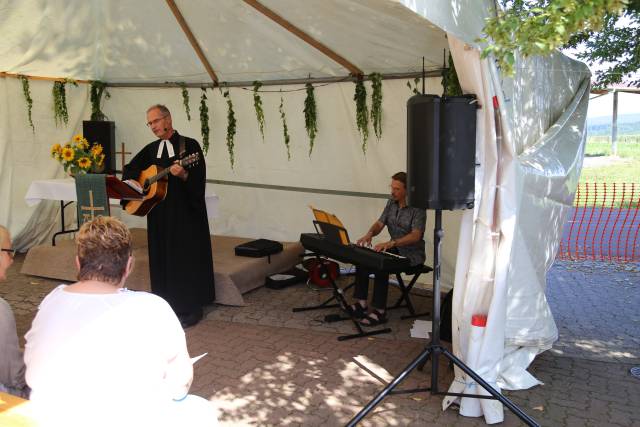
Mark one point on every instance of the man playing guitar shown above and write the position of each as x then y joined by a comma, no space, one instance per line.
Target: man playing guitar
180,261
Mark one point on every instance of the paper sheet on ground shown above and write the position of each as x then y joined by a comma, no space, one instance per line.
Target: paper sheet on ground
195,359
421,329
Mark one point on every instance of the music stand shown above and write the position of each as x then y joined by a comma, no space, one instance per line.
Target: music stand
433,351
337,234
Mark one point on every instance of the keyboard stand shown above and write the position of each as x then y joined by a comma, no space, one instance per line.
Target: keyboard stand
338,296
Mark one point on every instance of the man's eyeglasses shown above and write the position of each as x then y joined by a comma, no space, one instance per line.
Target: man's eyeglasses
12,252
153,122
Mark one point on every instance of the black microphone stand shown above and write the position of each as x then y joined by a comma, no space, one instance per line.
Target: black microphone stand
433,351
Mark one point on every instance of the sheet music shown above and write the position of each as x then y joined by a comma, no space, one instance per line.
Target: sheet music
134,184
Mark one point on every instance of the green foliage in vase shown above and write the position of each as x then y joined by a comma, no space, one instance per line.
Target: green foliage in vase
376,103
285,129
185,99
310,115
204,121
96,91
26,91
362,112
257,105
539,27
60,112
231,127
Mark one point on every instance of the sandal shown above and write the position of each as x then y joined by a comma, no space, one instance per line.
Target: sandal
375,318
358,311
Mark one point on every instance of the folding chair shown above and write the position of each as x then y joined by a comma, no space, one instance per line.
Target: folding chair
406,291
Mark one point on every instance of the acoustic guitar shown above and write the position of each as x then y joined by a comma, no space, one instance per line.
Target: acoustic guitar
154,181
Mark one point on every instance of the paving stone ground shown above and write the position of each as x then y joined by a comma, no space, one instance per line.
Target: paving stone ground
268,366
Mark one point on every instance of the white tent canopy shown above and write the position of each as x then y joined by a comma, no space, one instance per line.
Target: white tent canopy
530,151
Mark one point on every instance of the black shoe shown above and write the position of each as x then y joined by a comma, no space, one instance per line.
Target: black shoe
190,319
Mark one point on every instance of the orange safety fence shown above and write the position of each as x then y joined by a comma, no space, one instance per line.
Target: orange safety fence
604,223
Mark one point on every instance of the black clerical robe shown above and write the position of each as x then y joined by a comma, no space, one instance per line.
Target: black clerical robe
180,260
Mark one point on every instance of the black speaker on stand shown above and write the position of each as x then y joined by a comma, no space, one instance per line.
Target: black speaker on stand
441,141
104,133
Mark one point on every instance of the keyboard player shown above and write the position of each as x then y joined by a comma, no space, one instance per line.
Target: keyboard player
406,226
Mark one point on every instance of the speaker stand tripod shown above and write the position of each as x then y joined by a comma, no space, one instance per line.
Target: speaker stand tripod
433,351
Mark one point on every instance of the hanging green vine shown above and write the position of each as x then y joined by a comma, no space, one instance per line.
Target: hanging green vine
60,112
231,126
376,104
450,82
414,87
285,129
27,97
204,121
362,113
185,99
257,104
95,96
310,116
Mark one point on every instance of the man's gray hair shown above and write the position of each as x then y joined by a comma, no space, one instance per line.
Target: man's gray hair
163,109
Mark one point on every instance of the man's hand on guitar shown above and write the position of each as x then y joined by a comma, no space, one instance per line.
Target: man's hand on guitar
177,170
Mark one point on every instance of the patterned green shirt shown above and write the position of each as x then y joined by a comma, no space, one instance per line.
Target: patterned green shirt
402,221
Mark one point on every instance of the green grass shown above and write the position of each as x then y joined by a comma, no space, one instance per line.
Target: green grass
627,170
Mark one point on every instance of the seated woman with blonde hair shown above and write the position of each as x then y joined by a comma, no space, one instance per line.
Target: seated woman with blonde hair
99,354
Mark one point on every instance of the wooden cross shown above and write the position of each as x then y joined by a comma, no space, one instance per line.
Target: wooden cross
123,152
91,208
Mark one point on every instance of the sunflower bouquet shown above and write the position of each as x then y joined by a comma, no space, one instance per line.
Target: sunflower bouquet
78,156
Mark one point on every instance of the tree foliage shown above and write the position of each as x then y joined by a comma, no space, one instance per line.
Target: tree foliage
539,27
615,49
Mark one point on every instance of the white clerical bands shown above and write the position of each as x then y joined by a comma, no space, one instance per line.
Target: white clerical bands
164,143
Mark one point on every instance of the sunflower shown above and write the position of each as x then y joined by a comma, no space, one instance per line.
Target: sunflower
96,150
68,153
101,159
77,138
84,162
56,150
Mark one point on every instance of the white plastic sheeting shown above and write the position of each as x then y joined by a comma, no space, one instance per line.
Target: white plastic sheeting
525,186
500,251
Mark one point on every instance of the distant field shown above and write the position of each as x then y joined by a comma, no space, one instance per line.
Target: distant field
606,169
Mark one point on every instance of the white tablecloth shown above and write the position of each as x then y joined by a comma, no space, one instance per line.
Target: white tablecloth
65,189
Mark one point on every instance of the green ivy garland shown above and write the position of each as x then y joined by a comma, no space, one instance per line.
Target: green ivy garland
310,116
204,121
95,95
27,97
376,104
285,129
257,104
231,126
414,87
450,82
362,113
185,99
60,112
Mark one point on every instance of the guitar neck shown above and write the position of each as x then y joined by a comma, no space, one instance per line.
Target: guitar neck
157,177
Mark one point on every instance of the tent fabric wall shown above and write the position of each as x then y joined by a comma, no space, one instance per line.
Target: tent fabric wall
336,163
